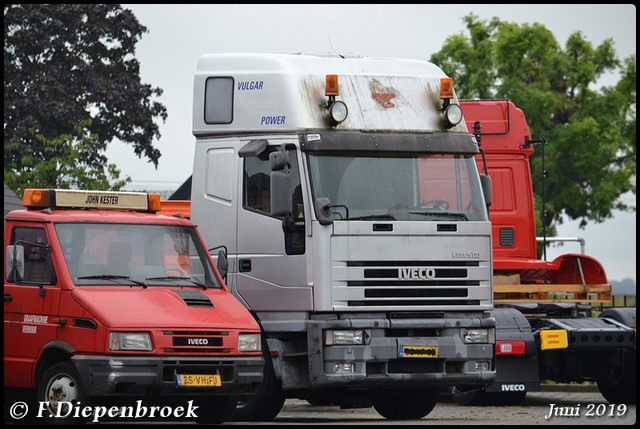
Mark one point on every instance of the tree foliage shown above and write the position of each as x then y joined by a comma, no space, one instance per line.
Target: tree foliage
71,86
591,132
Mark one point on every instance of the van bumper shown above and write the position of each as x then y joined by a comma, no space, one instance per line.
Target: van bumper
156,376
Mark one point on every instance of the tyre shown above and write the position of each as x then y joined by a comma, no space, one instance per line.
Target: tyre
619,385
406,404
61,389
215,410
268,400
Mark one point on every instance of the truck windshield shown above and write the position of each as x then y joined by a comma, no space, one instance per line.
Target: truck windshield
135,254
408,187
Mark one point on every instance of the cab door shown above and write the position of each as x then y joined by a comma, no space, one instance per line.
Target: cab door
31,303
271,262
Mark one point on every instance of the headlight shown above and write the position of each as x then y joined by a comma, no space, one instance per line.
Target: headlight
478,336
139,341
249,343
335,338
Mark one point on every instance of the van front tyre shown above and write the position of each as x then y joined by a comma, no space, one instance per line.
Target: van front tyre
268,400
61,389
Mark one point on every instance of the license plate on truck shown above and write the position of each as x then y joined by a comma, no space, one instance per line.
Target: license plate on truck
198,380
419,351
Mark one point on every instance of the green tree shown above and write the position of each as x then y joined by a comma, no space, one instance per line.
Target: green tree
71,86
61,166
591,132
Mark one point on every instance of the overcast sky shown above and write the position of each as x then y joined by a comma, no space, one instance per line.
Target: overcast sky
179,34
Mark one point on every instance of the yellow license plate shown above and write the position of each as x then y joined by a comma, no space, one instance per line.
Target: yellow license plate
198,380
419,351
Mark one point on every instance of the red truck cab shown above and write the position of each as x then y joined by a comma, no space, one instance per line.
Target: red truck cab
105,299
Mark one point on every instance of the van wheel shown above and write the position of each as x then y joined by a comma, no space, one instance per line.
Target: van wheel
60,388
215,410
267,401
406,404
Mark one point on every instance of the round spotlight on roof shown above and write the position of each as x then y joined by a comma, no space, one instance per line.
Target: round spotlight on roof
452,115
338,112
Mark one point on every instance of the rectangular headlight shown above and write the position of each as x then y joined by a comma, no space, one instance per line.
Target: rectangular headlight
138,341
249,343
478,336
344,338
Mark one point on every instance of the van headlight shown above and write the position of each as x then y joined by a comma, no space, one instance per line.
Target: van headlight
138,341
249,343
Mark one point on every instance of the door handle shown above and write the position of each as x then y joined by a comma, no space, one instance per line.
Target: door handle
8,297
244,265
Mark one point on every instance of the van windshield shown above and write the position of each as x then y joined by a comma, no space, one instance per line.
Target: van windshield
408,187
135,254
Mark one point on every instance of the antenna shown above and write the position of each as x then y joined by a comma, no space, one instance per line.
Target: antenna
334,51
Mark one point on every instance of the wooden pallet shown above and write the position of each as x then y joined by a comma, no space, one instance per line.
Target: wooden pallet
588,294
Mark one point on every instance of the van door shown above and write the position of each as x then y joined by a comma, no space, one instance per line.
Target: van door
31,303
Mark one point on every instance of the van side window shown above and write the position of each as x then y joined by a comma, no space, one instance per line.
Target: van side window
38,265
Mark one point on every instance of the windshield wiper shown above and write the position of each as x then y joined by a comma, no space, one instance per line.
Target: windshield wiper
378,216
441,213
189,279
112,277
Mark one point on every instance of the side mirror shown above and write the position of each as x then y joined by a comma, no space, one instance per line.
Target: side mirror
223,264
15,262
323,211
485,182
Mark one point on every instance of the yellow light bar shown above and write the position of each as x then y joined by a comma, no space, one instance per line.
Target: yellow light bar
331,87
66,198
554,339
446,88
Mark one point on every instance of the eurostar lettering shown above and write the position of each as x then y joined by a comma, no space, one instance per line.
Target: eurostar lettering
111,200
417,273
474,255
255,85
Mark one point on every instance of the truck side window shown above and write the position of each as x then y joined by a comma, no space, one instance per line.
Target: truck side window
257,194
38,265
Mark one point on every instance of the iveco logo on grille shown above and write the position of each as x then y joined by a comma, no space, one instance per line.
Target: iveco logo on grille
417,273
186,341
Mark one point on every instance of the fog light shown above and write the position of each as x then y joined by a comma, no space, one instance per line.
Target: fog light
477,336
344,368
482,366
334,338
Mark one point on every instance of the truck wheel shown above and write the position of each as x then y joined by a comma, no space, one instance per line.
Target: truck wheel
406,404
619,387
60,388
268,400
215,410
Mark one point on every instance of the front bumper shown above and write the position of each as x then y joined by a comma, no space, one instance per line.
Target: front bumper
136,376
